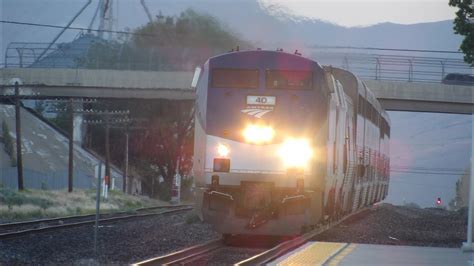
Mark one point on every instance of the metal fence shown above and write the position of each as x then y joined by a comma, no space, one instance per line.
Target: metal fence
75,55
395,67
371,63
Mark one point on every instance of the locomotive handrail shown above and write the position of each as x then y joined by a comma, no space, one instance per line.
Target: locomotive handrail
292,197
222,194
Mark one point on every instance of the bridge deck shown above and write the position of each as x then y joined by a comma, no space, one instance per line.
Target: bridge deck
393,95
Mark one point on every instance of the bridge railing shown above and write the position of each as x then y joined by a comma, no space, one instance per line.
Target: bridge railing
394,67
372,63
66,55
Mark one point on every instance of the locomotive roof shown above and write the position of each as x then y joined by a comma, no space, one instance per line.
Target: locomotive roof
353,87
266,53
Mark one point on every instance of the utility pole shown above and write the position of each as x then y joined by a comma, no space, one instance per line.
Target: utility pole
109,118
71,146
125,171
19,165
107,146
71,112
97,208
108,121
127,129
468,246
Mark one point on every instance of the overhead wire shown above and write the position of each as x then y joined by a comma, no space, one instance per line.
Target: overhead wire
74,28
420,184
154,35
384,49
428,173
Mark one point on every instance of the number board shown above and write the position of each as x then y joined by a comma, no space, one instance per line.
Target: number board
261,100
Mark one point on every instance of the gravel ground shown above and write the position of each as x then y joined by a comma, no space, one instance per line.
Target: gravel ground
140,239
397,225
120,243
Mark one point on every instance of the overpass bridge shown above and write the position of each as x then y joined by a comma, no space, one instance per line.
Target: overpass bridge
125,84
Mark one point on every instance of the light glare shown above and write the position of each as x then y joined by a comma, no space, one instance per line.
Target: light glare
296,152
258,134
223,150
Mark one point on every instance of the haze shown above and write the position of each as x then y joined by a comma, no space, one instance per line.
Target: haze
350,13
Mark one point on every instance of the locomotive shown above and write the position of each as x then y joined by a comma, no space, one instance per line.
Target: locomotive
283,144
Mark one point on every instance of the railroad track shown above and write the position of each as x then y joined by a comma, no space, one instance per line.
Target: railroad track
287,246
10,230
199,254
187,255
217,251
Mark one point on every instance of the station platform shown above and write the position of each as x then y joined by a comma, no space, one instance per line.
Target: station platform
332,253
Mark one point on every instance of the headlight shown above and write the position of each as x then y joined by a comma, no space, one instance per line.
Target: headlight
258,134
296,152
223,150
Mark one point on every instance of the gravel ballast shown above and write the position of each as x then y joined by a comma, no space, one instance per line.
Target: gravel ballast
139,239
398,225
121,243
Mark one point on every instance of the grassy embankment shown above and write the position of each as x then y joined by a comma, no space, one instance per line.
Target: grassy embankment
34,204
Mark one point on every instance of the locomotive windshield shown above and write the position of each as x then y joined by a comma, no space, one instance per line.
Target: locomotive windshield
235,78
282,79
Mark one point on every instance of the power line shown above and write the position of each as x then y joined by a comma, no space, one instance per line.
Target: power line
73,28
385,49
153,35
441,169
426,173
420,184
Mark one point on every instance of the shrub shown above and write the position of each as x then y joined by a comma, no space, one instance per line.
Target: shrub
8,143
187,188
10,198
164,191
44,185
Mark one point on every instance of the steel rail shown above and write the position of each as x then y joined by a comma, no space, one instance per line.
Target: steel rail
65,218
177,208
186,255
287,246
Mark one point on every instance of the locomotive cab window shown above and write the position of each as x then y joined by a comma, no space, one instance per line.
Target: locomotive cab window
235,78
282,79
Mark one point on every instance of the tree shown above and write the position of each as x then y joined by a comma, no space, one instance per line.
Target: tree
464,27
169,138
167,43
61,118
164,135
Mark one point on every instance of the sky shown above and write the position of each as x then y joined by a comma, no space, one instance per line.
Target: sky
352,13
437,142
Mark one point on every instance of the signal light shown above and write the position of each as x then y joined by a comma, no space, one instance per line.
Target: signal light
438,201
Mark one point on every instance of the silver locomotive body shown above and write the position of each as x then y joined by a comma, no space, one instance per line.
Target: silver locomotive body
278,146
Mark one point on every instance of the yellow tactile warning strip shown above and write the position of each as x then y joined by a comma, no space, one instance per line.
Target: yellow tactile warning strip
341,255
314,254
